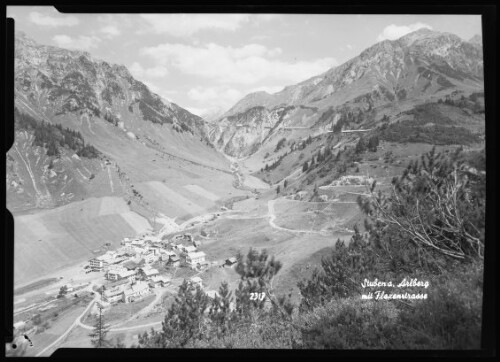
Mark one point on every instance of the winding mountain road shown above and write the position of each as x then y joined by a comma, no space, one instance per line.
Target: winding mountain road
272,216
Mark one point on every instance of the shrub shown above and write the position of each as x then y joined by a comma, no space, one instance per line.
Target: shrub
451,317
350,323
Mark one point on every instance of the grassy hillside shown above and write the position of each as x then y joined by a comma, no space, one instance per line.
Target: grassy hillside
52,239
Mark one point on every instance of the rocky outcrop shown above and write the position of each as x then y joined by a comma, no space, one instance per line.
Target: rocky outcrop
417,66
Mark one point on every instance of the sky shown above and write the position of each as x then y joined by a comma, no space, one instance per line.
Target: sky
207,62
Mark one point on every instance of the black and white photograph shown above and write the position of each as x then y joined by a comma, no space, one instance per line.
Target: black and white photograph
247,181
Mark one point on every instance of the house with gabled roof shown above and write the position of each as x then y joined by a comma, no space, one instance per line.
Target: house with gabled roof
195,258
136,291
159,281
149,272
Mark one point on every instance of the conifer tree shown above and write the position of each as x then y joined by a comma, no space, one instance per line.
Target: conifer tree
100,331
220,310
184,322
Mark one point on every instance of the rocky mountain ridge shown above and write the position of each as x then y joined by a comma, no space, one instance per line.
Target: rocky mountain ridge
416,67
127,123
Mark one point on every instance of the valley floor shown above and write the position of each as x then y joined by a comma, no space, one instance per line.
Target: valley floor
298,233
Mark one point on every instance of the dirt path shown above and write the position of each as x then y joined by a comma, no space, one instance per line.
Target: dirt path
73,325
272,216
144,311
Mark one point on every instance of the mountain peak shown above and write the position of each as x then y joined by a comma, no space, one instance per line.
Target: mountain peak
420,34
249,101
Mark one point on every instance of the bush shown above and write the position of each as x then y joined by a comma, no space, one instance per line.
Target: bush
37,319
437,204
451,317
280,144
350,323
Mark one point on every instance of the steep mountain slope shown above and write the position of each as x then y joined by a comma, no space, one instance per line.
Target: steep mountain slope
97,156
389,77
141,138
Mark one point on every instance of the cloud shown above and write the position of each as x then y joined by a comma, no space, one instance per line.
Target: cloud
156,72
46,20
222,96
349,46
260,37
184,25
392,32
110,31
250,64
82,42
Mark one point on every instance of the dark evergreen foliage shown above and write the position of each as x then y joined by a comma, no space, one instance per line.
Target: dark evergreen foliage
101,329
280,144
53,137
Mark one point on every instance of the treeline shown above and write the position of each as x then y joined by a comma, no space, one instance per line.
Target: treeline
401,242
280,144
317,159
274,164
405,131
472,102
429,125
346,117
181,127
53,137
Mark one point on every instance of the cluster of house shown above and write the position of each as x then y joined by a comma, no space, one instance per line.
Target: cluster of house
129,269
119,264
127,291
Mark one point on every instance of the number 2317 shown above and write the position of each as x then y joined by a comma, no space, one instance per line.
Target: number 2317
257,296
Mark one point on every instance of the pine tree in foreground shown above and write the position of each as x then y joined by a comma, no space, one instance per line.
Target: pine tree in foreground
100,331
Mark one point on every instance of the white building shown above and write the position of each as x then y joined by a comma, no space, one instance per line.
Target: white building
149,257
139,243
195,258
121,273
102,262
159,281
188,249
129,249
114,293
135,292
149,272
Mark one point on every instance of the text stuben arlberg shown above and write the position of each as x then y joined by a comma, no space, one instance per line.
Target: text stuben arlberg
383,295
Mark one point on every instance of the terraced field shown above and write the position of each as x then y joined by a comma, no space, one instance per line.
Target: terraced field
49,240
